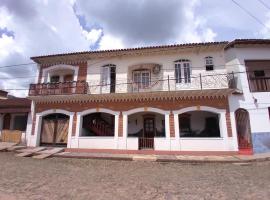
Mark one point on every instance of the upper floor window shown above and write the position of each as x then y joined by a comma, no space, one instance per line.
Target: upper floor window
55,79
182,71
209,63
141,78
259,73
108,76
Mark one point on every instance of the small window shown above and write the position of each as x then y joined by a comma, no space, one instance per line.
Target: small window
259,73
55,79
209,63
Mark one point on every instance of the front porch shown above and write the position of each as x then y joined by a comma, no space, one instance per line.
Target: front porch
159,123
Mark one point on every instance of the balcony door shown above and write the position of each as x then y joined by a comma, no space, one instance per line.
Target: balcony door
182,71
141,79
108,79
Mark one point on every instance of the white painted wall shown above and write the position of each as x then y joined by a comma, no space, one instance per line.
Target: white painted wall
256,103
123,64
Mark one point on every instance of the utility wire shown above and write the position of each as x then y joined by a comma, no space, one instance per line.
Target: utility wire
162,69
152,81
23,64
264,4
250,14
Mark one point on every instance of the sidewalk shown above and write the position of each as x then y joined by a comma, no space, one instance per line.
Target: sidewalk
167,158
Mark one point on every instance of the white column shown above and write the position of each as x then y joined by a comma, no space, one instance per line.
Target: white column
176,126
223,129
175,143
234,132
125,129
70,126
167,126
78,128
35,139
116,121
28,128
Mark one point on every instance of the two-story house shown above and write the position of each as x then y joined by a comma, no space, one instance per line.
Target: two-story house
173,98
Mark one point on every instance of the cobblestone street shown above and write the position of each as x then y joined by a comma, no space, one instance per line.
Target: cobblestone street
59,178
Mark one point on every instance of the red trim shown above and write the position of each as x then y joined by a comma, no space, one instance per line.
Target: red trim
152,152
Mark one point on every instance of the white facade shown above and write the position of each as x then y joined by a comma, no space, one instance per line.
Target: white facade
224,61
256,103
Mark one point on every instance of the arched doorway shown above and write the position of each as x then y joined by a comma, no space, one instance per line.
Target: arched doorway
54,131
243,129
146,126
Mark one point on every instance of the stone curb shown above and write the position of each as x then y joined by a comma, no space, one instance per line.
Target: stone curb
163,160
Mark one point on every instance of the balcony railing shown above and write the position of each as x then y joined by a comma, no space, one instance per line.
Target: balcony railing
259,84
64,88
195,82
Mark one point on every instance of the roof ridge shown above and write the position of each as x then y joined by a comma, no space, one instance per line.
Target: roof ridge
133,48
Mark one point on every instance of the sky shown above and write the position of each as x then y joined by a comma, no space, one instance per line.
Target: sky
42,27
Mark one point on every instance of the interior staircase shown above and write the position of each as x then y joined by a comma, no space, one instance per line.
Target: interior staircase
100,127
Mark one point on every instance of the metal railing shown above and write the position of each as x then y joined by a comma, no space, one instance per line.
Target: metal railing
59,88
195,82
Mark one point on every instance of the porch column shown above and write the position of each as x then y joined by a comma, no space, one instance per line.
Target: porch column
234,132
167,126
75,143
70,128
125,129
35,139
223,128
176,126
116,130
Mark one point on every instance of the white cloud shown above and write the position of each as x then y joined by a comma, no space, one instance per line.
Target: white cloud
110,42
40,27
93,35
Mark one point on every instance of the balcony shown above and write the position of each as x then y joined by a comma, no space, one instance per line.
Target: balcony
194,82
259,84
58,88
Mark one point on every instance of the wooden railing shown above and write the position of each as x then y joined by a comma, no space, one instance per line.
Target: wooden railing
61,88
101,128
259,84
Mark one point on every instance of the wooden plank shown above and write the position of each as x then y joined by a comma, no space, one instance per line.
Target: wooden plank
51,151
14,148
48,153
42,156
29,152
6,145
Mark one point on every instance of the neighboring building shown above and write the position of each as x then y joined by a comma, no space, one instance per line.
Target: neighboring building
173,98
252,59
14,113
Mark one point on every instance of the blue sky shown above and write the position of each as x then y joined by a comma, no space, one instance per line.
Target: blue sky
38,27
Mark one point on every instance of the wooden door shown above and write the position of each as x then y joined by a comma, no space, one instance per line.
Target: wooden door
54,130
243,129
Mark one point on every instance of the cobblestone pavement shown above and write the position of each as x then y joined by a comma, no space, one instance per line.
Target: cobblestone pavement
63,178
